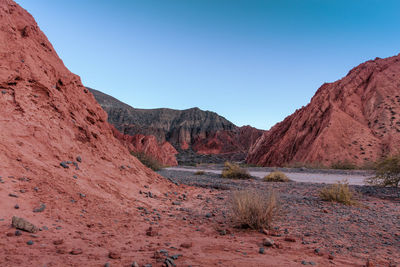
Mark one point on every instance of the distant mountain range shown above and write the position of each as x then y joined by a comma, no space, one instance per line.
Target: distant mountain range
191,131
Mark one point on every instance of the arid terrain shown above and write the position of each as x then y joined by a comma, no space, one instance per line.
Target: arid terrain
72,194
192,225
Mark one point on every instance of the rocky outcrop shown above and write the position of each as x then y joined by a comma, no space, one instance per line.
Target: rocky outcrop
204,132
227,142
54,138
355,119
164,153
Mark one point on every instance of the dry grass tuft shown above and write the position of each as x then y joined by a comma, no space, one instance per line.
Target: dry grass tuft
234,171
148,161
339,192
387,172
276,176
254,209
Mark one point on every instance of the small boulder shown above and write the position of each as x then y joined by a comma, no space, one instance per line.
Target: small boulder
23,224
268,242
114,255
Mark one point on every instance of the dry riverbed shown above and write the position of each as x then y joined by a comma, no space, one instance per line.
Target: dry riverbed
353,177
355,234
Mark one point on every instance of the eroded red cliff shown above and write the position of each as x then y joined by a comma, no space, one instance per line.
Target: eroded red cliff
147,144
355,119
57,150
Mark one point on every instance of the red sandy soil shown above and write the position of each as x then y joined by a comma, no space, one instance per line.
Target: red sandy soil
94,212
354,119
163,153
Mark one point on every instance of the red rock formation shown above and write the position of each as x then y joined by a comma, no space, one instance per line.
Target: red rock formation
204,131
355,119
163,153
46,117
227,142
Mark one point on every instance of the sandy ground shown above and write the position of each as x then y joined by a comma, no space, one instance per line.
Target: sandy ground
353,178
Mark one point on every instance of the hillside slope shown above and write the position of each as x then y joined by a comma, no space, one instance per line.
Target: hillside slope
355,119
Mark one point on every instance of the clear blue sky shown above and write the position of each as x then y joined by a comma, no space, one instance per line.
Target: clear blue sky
253,62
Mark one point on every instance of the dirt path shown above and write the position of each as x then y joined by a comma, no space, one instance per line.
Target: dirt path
304,176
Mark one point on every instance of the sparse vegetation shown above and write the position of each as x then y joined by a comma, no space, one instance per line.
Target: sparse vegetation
276,176
387,172
234,171
343,165
148,161
339,192
254,209
199,173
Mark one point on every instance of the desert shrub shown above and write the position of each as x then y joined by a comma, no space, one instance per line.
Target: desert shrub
253,209
148,161
276,176
343,165
234,171
387,172
199,173
339,192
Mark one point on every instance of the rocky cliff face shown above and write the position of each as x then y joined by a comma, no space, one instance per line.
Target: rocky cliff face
164,153
57,150
355,119
203,131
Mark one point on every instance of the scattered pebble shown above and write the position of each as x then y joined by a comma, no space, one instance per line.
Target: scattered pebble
64,164
41,208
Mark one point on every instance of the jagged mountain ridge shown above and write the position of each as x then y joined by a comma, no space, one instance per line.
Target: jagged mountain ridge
205,132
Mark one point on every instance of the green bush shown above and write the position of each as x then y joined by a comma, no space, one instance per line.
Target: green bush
148,161
254,209
339,192
234,171
387,172
276,176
